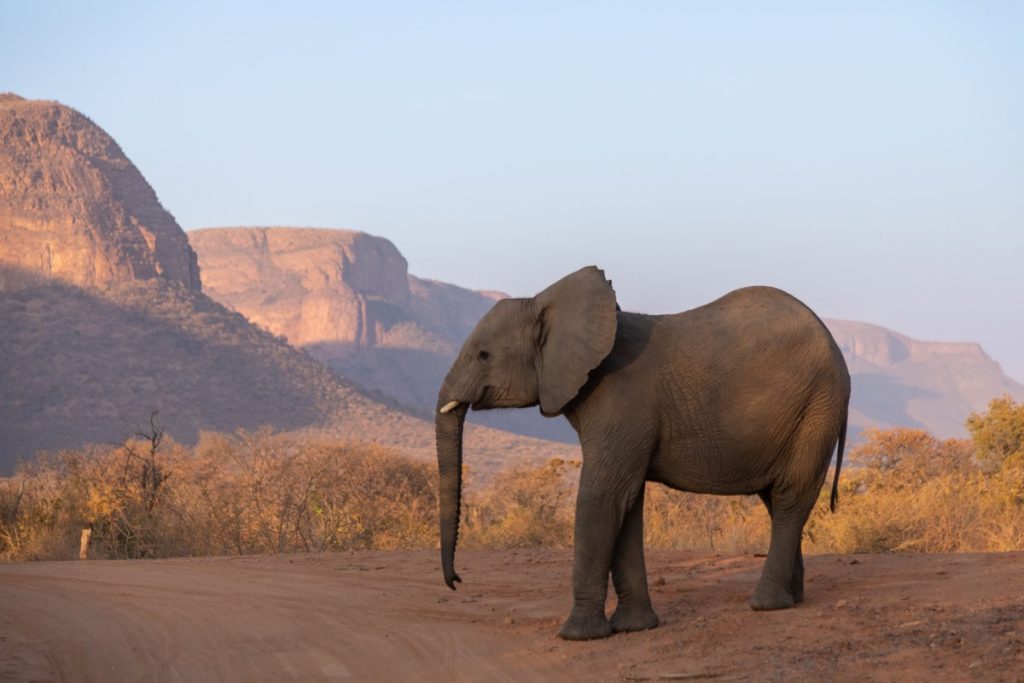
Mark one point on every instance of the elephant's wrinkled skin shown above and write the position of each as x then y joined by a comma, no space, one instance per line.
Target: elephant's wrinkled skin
747,394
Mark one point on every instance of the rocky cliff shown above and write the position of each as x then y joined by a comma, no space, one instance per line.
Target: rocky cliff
334,292
347,298
74,208
899,381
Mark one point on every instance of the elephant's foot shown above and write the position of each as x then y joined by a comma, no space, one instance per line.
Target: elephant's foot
768,597
585,626
798,592
633,617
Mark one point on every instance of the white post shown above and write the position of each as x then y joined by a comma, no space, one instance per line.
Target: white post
83,545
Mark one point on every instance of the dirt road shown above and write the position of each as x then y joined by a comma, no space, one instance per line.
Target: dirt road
387,616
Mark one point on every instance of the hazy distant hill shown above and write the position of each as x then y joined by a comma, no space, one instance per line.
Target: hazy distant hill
899,381
347,298
102,318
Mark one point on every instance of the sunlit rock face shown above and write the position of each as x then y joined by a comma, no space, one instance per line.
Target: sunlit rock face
347,298
334,291
903,382
75,209
324,287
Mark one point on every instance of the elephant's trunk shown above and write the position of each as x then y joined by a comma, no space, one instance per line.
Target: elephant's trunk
449,466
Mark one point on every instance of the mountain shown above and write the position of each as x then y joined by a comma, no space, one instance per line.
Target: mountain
103,318
899,381
73,208
347,298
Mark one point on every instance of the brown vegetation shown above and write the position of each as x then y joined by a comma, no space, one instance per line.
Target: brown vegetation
249,493
259,492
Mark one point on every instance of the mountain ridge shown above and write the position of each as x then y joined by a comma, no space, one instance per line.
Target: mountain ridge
902,381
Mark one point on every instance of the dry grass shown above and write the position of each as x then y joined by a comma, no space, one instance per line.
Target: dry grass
935,498
260,492
248,493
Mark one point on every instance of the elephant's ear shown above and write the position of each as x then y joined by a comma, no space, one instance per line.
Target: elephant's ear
577,323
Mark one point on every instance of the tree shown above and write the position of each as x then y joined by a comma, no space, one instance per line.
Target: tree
907,456
998,434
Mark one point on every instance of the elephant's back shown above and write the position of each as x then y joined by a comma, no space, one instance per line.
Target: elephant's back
756,305
754,320
756,347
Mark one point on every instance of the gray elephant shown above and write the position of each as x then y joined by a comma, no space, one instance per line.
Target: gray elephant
747,394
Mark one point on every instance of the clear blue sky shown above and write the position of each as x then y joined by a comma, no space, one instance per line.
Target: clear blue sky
868,157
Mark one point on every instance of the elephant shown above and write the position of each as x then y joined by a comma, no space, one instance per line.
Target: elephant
746,394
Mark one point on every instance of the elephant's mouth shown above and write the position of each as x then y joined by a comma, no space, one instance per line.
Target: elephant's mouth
492,397
485,401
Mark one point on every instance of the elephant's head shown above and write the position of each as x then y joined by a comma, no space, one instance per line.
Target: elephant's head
524,352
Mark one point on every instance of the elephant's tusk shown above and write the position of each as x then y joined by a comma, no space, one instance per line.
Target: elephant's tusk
449,407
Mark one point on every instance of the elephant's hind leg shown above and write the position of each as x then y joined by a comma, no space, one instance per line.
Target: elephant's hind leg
796,585
790,501
634,611
781,583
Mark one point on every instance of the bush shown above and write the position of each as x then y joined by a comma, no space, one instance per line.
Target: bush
242,494
686,521
524,508
261,492
906,490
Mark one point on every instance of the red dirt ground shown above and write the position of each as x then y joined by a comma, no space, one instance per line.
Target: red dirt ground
386,616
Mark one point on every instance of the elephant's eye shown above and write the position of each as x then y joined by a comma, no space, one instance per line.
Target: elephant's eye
483,355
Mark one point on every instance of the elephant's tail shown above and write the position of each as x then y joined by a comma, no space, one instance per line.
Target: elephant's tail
839,463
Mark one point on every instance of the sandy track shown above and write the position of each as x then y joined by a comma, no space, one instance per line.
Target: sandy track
387,616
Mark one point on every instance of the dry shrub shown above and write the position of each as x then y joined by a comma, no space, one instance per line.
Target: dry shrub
907,490
270,493
34,519
674,520
523,508
944,514
248,493
266,493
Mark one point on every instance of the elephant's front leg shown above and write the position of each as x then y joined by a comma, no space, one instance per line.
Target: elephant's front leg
634,611
600,509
